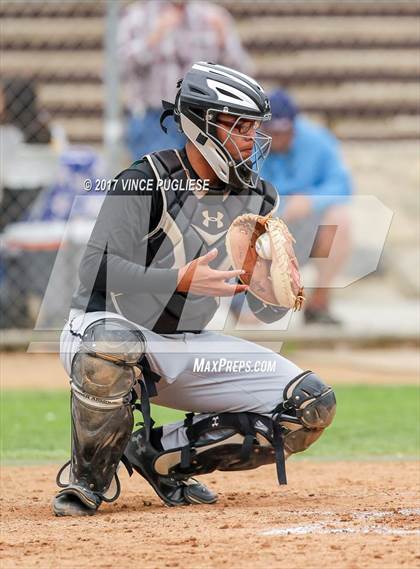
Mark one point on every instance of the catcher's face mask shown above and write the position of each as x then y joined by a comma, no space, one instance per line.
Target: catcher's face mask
243,146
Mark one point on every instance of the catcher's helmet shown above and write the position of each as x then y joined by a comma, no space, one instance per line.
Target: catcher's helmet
207,90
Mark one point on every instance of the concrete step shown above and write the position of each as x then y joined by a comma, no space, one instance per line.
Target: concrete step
89,95
400,127
52,30
398,62
241,9
329,29
257,33
82,129
21,10
329,62
319,8
349,93
43,63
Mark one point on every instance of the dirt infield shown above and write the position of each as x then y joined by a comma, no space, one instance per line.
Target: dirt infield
334,515
338,515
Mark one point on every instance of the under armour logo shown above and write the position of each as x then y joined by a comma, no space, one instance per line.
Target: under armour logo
215,421
208,218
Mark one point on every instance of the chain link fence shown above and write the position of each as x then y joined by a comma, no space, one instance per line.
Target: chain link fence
53,113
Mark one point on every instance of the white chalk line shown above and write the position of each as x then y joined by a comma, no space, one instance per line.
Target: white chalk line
369,514
325,527
321,528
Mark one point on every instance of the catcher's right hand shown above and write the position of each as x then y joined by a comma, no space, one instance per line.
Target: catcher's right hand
198,277
263,247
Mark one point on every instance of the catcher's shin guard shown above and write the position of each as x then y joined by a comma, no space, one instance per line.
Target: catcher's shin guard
102,379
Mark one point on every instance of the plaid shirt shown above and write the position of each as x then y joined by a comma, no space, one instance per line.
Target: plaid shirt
150,74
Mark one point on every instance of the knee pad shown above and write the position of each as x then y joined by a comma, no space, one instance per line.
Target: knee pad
308,407
114,340
104,370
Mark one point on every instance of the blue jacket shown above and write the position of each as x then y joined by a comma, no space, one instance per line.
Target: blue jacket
312,166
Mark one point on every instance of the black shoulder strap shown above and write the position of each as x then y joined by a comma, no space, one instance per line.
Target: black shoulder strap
167,162
271,197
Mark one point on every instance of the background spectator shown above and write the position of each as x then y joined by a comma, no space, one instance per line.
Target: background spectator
158,41
306,167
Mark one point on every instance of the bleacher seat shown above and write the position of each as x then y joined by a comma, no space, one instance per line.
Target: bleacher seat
354,65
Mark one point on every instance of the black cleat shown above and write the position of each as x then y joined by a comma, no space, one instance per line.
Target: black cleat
173,492
197,493
74,501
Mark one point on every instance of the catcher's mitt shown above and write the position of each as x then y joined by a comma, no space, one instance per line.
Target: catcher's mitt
272,273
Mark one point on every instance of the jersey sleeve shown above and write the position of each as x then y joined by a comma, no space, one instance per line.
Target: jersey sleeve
126,217
271,198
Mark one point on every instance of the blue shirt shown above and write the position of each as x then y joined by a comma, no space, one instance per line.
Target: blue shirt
312,166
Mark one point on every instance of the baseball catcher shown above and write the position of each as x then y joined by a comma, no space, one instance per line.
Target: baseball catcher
164,251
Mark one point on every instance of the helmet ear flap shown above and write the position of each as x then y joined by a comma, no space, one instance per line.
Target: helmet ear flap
171,109
168,110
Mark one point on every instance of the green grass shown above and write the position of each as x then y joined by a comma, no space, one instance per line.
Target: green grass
371,421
